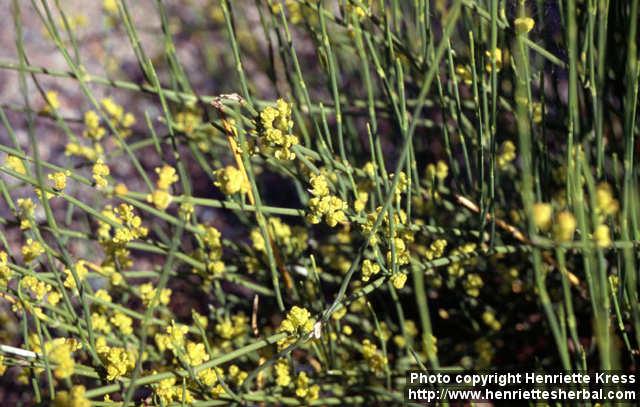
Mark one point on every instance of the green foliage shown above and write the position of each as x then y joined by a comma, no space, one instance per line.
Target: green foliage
352,189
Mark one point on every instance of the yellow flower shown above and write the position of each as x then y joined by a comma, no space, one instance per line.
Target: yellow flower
369,269
120,189
32,250
490,320
59,180
274,131
166,177
5,272
602,236
38,288
196,353
103,295
537,112
119,361
542,213
81,272
160,198
465,74
100,172
297,323
496,56
59,351
148,292
113,109
507,154
3,367
565,226
606,203
283,376
99,323
26,210
51,97
231,181
442,170
319,185
524,24
376,361
93,130
398,279
73,398
91,154
304,391
331,207
361,200
122,322
436,249
16,164
472,285
110,6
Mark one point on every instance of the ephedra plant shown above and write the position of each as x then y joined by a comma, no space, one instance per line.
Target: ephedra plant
295,202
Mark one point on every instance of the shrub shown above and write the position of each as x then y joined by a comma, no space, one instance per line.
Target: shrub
297,201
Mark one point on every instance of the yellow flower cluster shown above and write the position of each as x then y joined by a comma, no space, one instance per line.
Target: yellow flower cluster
305,391
507,154
369,269
73,398
161,196
26,212
231,181
168,392
436,249
229,328
323,204
602,236
456,269
79,150
100,171
274,131
59,180
39,289
93,130
439,170
607,205
297,323
118,361
122,322
212,255
148,292
283,374
464,74
15,164
523,25
497,56
5,272
122,121
542,214
473,284
565,226
110,6
130,225
60,352
32,250
374,358
293,240
81,272
52,102
398,279
489,318
360,11
173,338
